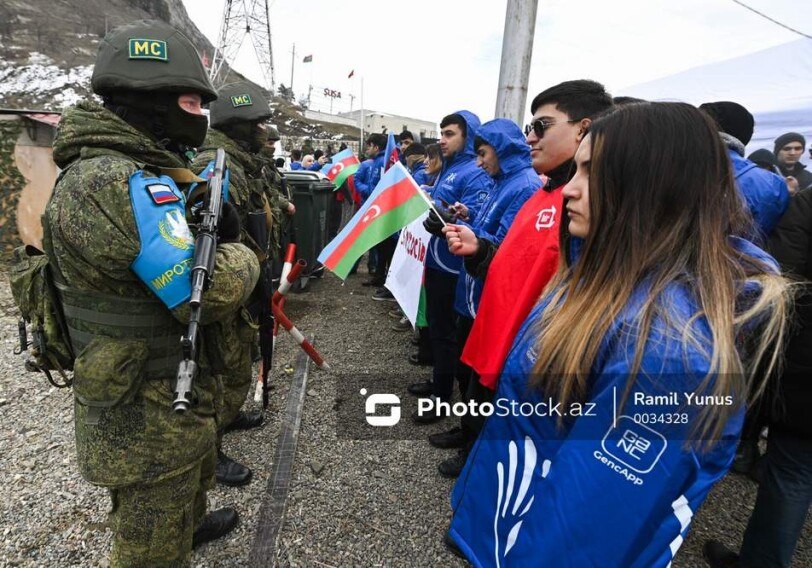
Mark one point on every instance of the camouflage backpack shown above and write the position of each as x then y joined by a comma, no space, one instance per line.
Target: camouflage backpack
35,293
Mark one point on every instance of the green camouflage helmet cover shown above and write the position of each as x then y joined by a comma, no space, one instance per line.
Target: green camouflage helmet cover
149,55
238,102
273,133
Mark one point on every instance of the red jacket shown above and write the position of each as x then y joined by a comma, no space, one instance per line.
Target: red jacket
524,263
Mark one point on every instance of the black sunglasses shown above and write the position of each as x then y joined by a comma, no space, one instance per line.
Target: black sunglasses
539,126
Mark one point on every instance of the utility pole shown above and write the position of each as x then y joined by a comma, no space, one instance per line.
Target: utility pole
292,64
517,50
361,144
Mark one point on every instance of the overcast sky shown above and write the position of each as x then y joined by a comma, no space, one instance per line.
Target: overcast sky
426,58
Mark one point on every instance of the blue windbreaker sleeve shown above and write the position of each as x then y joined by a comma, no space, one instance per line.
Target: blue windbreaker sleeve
507,217
475,190
628,490
421,177
362,179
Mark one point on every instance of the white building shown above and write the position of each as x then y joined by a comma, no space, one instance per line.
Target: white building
381,122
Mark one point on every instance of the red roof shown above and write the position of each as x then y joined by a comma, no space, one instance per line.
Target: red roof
50,118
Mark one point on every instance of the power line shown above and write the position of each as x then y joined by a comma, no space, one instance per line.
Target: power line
765,16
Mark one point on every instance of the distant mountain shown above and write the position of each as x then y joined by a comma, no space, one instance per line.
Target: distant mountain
47,49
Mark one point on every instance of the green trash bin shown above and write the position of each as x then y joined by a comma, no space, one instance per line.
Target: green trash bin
311,194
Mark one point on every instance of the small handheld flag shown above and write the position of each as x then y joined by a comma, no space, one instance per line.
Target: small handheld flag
395,202
343,165
392,154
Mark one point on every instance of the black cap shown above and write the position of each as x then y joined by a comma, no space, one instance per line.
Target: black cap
785,139
732,118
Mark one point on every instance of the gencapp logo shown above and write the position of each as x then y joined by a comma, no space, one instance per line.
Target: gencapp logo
371,408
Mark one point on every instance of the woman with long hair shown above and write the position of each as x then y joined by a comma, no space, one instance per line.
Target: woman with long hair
434,163
623,396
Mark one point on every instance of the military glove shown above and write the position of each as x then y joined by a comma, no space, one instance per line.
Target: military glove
434,225
228,231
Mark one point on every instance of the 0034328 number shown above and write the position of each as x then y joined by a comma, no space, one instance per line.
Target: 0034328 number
661,418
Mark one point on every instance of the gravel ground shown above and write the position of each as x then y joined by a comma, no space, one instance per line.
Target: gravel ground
352,502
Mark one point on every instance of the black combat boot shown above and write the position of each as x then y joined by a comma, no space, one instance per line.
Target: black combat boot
245,421
452,467
215,524
231,473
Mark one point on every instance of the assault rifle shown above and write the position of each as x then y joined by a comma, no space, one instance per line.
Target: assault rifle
202,276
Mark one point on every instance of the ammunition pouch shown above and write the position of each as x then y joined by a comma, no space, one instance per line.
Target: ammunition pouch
91,315
32,286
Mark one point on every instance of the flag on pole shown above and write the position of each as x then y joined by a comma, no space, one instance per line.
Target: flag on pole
405,277
395,202
343,165
351,74
307,59
392,154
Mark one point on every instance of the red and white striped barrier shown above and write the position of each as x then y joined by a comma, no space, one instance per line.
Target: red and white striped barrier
290,273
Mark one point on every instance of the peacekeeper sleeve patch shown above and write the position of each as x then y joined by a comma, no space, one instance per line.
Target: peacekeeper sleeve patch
148,49
161,193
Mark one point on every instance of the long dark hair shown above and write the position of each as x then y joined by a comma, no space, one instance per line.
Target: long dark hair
662,205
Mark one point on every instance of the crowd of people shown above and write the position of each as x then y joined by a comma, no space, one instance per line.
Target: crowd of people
619,260
591,255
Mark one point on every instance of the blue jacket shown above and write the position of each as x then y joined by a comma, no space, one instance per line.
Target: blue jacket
419,174
296,166
766,193
368,175
596,492
459,180
516,182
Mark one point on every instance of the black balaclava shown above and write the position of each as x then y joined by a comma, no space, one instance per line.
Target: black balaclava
160,115
251,136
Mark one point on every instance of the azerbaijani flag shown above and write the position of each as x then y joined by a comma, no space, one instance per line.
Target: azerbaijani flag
395,202
342,166
392,154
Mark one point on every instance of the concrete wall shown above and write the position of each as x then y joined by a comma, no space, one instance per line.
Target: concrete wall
379,122
335,119
37,166
27,176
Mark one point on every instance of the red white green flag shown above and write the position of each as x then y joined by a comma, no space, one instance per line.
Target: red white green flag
343,165
395,202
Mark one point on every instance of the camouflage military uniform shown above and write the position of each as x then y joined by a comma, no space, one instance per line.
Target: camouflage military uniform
277,197
157,464
235,336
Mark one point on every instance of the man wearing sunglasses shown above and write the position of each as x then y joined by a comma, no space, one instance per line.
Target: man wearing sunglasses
519,268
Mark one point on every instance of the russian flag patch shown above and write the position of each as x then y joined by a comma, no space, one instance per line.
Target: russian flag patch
162,193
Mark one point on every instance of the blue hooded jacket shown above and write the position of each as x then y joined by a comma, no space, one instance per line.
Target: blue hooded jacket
515,183
459,180
419,174
607,488
766,193
368,175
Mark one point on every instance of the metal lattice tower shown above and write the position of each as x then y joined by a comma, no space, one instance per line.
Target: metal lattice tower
242,18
